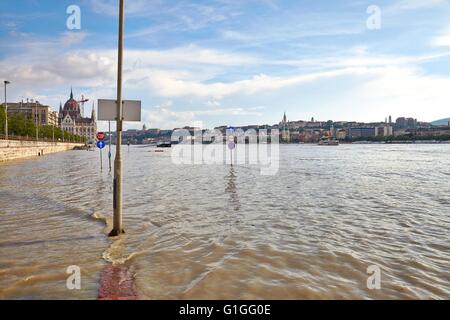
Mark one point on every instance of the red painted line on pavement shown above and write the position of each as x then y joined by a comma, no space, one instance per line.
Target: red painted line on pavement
117,283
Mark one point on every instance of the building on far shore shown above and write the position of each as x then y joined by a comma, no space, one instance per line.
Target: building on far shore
341,134
384,131
42,115
285,129
429,132
71,120
360,132
406,123
370,131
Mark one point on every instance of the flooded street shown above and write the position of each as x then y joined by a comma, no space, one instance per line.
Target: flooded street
222,232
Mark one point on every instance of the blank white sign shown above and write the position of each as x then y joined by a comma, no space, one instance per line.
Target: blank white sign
107,110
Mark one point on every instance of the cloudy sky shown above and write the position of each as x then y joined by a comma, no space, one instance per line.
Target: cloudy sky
235,62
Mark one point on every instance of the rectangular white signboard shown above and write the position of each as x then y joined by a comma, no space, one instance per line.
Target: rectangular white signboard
107,110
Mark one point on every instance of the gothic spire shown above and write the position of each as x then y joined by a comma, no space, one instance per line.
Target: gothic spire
93,111
71,93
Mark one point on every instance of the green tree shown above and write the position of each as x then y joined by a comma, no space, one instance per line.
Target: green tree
19,125
2,120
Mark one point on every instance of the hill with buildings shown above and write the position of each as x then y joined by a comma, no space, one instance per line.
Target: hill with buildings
442,122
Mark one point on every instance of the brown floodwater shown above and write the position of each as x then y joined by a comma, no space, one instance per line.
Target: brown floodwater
221,232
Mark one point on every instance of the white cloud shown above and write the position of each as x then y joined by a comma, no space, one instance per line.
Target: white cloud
132,8
184,15
165,117
28,41
165,85
370,95
36,68
72,68
192,73
235,35
401,91
360,58
69,39
188,56
416,4
443,39
170,84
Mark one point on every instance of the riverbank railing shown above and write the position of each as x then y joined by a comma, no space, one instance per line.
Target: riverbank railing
25,138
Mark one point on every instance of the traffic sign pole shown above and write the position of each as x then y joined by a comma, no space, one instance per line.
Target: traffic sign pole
109,144
100,146
231,143
101,159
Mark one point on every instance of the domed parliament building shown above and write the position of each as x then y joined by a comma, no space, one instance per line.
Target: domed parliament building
71,120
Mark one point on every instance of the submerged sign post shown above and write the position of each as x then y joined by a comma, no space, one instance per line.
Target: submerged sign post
231,143
110,110
100,146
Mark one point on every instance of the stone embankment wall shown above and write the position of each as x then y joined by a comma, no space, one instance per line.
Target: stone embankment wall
14,149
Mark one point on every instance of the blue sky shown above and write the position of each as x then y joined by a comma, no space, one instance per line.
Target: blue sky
235,62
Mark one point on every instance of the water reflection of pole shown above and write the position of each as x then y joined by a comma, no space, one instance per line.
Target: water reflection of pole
231,189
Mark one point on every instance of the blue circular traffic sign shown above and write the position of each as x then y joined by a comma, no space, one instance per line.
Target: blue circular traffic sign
101,144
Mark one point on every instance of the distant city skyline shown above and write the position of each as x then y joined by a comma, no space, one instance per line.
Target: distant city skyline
236,63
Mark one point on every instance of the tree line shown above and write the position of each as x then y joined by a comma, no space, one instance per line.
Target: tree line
405,137
19,125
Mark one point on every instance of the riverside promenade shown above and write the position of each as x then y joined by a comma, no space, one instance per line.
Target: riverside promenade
22,149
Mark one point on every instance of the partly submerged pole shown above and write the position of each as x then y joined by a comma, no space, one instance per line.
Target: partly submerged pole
117,196
109,144
6,112
101,159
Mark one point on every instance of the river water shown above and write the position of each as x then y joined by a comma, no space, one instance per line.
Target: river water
221,232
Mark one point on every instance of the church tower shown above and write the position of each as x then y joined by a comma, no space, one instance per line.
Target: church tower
285,135
93,115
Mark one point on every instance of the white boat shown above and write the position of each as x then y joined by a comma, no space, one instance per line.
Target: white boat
326,141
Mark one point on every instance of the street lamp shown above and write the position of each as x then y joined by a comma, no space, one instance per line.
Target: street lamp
118,166
62,130
36,118
6,112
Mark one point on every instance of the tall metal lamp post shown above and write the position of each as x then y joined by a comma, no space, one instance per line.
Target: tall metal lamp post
117,196
36,116
6,112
